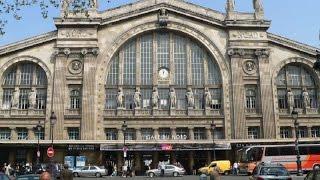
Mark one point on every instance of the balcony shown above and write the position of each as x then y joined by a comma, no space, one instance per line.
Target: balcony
22,112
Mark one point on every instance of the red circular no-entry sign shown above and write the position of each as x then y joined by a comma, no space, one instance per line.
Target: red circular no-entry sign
50,152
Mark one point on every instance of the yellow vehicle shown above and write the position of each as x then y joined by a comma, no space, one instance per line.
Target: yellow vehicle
223,167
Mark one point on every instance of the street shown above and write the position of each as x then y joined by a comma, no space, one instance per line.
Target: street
179,178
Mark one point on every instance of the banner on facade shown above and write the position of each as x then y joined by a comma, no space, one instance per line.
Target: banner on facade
168,146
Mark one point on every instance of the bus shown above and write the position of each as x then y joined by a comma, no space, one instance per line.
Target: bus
250,156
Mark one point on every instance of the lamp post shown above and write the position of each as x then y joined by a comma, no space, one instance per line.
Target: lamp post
213,126
53,120
38,129
124,129
294,115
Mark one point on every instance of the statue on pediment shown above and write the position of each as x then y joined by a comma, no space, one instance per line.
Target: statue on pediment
173,98
190,98
155,98
137,98
120,98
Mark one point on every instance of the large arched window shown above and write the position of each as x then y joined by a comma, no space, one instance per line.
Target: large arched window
296,79
24,86
138,62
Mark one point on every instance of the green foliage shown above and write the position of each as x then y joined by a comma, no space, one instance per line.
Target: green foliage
13,7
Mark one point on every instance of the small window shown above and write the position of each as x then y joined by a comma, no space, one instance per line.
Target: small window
73,133
93,168
75,99
272,151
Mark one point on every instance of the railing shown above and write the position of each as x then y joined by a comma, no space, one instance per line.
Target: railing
22,112
72,112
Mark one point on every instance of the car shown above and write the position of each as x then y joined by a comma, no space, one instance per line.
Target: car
97,171
223,166
270,171
29,177
4,176
170,170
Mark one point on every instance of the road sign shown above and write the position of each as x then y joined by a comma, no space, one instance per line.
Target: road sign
50,152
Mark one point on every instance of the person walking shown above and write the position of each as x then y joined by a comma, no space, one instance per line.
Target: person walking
45,176
65,173
235,168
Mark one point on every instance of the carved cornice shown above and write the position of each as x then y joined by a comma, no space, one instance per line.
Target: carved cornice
292,44
241,52
28,42
80,51
180,7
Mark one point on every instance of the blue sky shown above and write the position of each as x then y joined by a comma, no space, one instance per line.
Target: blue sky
294,19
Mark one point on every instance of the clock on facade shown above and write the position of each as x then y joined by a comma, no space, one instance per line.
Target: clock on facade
163,73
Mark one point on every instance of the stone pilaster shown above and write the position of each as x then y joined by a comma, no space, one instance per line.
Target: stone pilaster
266,94
239,119
58,90
89,128
309,132
173,132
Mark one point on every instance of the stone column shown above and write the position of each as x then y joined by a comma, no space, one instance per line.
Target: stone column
119,160
191,160
209,133
89,129
14,134
155,159
120,135
65,133
137,162
173,133
293,132
156,133
266,95
31,133
139,136
191,134
309,132
239,118
209,159
30,155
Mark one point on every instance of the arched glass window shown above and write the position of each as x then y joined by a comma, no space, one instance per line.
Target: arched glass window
24,86
75,99
138,62
297,79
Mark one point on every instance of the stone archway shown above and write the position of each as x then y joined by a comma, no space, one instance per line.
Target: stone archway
106,55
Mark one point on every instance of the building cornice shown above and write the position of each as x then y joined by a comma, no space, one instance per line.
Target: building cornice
147,6
279,40
28,42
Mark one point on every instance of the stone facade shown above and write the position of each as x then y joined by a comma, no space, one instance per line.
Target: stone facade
78,56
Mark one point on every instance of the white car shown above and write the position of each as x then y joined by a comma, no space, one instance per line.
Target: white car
97,171
170,170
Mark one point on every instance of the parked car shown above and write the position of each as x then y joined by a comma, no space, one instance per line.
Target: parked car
270,171
4,176
223,165
97,171
170,170
29,177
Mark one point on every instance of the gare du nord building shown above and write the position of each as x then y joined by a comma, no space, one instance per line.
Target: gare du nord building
171,70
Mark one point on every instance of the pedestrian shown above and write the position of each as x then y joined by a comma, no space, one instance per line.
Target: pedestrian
162,166
65,173
214,175
45,176
114,173
235,168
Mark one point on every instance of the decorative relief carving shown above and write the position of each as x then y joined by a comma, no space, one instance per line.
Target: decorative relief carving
163,17
76,33
247,35
249,67
75,67
262,52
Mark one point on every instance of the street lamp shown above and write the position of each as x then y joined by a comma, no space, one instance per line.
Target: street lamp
38,129
213,126
294,115
124,129
53,120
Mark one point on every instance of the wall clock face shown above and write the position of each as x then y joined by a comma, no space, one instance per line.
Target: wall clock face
163,73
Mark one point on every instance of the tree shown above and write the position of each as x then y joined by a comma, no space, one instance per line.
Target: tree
13,7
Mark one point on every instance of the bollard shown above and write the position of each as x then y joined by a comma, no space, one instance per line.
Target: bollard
203,177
